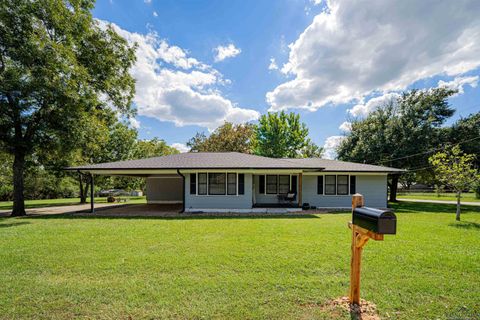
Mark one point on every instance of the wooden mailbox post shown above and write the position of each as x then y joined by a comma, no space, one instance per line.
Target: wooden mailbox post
381,222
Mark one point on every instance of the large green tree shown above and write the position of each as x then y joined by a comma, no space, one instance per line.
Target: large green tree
466,133
282,135
58,67
400,134
227,137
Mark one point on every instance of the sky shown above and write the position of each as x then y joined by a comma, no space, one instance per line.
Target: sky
200,63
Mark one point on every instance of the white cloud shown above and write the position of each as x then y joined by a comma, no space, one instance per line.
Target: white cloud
147,1
224,52
459,82
180,147
363,109
155,14
346,126
134,123
354,49
273,65
172,86
330,146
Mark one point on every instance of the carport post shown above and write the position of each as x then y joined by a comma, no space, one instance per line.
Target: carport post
92,199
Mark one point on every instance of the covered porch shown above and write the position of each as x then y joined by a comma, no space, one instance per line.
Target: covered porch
277,190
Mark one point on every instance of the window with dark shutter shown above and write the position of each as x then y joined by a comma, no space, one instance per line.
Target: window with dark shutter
342,185
261,182
216,183
241,183
320,185
232,184
330,185
272,184
193,183
202,183
353,184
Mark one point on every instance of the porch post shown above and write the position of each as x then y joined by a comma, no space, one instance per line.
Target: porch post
300,190
92,198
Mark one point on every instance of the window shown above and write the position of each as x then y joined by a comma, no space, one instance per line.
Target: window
320,185
283,184
216,183
353,184
342,185
272,184
294,184
202,183
193,183
241,183
261,182
232,183
330,185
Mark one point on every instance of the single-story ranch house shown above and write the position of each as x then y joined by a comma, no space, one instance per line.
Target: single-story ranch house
237,182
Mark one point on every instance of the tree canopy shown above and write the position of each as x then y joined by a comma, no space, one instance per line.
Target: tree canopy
400,133
58,68
282,135
227,137
455,169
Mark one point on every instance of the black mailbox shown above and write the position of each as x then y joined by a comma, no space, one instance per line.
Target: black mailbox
376,220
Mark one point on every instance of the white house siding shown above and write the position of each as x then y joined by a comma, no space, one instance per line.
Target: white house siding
164,189
372,187
244,201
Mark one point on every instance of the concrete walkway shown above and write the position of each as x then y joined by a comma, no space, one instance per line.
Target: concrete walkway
466,203
61,209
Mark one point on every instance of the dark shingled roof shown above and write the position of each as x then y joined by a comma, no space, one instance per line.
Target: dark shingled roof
232,160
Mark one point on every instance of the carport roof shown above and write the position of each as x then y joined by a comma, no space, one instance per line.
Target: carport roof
232,160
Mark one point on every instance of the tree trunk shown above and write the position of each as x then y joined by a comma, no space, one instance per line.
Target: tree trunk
458,206
18,185
393,188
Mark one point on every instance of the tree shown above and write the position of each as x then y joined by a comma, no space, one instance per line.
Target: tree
400,134
466,132
311,150
281,135
226,138
58,67
454,169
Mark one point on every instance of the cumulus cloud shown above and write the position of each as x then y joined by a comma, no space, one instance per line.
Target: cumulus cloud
353,49
459,82
346,126
363,109
173,86
331,145
147,1
155,14
273,64
134,123
180,147
224,52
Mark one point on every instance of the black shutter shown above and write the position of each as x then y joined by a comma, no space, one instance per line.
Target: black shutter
261,187
320,185
193,183
353,184
294,184
241,183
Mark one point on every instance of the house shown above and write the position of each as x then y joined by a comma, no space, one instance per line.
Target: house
237,182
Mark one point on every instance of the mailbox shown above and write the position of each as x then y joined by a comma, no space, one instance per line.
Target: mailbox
375,220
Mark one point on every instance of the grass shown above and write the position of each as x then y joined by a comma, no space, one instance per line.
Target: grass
58,267
7,205
469,197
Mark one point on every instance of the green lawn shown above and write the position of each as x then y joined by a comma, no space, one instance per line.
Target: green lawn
6,205
469,197
60,267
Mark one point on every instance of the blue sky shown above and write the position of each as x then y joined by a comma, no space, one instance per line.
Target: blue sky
201,62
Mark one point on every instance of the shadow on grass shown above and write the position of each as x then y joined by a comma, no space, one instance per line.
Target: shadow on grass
416,207
180,216
466,225
14,224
